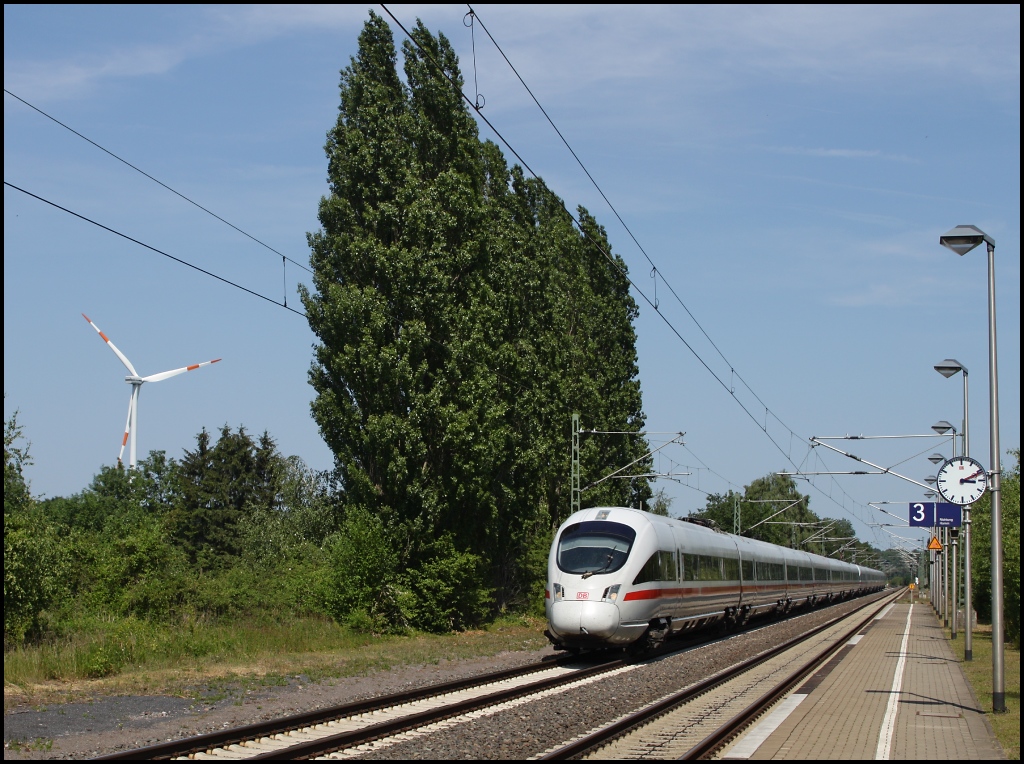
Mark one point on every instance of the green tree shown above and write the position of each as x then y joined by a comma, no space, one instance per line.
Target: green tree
660,503
981,551
16,459
216,487
461,318
117,494
768,496
36,560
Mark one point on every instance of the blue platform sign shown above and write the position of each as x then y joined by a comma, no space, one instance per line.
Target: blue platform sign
948,515
930,514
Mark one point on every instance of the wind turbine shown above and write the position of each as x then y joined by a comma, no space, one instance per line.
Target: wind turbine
131,427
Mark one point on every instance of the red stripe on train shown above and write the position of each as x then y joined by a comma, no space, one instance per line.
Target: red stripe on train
653,594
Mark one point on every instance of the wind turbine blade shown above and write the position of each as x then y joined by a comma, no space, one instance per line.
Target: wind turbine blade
127,427
175,372
118,353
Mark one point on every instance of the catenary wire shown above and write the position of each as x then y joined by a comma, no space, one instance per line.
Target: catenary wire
625,275
154,249
612,206
625,225
655,271
439,343
157,181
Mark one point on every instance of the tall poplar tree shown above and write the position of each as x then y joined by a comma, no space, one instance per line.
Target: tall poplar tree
461,319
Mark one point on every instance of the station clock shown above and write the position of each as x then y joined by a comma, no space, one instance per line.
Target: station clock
961,480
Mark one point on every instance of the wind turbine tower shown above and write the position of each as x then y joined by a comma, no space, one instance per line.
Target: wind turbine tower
132,425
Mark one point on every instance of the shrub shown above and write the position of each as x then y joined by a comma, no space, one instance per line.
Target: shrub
447,590
361,574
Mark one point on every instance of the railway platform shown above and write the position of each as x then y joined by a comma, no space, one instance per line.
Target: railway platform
894,691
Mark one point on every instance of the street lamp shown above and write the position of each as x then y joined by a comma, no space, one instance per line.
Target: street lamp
948,368
936,458
962,240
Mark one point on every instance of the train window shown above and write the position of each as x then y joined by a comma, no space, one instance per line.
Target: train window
669,571
691,567
660,567
821,574
771,571
732,569
710,568
748,570
594,546
806,574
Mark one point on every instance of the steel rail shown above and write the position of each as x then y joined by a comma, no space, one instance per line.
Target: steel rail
738,723
250,732
219,739
283,725
638,718
332,743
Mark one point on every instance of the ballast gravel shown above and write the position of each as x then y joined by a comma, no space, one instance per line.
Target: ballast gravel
106,725
532,728
110,724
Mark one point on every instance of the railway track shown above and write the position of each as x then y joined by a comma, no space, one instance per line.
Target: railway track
355,728
699,720
318,732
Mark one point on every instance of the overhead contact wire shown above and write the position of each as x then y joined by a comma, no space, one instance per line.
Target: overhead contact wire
655,271
608,256
154,249
156,180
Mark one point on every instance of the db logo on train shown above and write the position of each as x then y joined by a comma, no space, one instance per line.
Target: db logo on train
582,595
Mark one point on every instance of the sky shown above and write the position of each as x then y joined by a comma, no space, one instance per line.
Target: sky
786,173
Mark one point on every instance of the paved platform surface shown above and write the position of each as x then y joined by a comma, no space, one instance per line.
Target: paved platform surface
894,691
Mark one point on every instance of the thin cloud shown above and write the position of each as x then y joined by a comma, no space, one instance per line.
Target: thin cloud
687,48
214,30
879,295
878,190
52,80
841,153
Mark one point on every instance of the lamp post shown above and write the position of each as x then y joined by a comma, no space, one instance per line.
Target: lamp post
943,533
948,368
934,459
962,240
934,577
942,427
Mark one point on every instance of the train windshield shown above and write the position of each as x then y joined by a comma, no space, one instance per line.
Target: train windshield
594,546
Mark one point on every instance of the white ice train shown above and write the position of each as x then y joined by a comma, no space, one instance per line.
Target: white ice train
617,576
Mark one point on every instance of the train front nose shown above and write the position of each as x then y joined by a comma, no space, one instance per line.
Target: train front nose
576,620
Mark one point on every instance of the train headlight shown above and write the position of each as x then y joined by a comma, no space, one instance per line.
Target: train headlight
559,591
612,593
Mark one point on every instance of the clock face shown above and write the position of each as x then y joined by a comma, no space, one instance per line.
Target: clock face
961,480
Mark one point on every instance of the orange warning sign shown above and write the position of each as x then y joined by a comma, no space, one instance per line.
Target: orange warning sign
934,545
911,587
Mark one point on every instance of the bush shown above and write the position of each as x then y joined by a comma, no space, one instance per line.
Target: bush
360,578
36,571
447,590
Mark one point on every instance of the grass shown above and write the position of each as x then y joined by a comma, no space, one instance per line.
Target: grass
209,661
979,674
42,744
